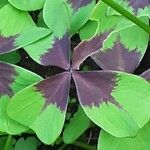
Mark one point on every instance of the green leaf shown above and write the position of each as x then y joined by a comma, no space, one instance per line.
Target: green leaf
30,143
12,80
88,30
13,21
140,142
117,102
3,3
6,123
3,142
22,39
40,22
12,57
57,15
70,17
17,29
81,15
43,100
120,51
27,5
77,126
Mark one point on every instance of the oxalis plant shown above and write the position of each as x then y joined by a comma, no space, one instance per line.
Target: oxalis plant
115,34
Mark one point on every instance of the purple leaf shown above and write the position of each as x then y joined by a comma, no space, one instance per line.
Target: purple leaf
113,99
14,78
7,44
55,89
118,58
76,4
98,86
6,79
86,49
136,4
59,54
146,75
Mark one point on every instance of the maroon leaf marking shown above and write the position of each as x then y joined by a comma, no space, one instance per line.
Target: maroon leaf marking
76,4
7,44
118,58
136,4
94,88
146,75
86,49
7,74
56,89
59,54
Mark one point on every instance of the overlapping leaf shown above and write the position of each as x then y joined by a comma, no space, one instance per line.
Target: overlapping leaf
30,143
120,51
48,99
12,57
51,51
146,75
141,141
71,15
117,102
87,48
17,29
27,5
12,80
77,126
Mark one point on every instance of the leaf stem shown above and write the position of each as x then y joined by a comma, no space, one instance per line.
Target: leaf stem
83,145
127,14
8,143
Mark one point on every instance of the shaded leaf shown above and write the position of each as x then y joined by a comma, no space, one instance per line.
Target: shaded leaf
12,57
40,21
12,80
51,51
146,75
27,5
3,140
43,100
141,141
77,126
3,3
117,102
30,143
